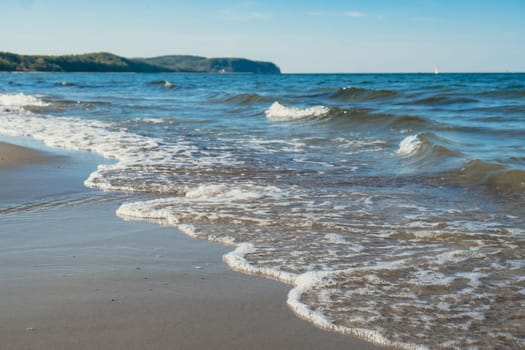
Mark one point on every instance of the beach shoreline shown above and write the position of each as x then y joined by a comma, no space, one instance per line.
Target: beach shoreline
12,155
73,275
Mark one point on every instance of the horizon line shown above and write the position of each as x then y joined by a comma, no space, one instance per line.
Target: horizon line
282,73
430,71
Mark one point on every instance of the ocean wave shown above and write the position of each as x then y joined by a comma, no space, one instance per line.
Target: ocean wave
348,94
411,121
425,146
504,93
21,100
444,100
409,145
367,118
512,180
166,84
494,176
247,99
506,109
64,83
168,212
354,117
349,283
141,162
32,103
62,104
278,112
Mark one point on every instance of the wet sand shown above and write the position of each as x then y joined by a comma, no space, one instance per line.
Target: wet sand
13,155
74,276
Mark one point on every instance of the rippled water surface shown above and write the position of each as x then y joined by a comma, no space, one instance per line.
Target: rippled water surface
393,204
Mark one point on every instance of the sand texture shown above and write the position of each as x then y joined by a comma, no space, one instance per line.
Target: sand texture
13,155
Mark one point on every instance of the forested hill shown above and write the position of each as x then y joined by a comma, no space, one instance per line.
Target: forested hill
182,63
107,62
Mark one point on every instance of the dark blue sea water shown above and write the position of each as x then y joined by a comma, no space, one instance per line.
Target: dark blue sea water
392,203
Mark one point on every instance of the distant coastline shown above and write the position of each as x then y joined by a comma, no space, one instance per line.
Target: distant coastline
108,62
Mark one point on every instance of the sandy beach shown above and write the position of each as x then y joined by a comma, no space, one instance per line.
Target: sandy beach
74,276
13,155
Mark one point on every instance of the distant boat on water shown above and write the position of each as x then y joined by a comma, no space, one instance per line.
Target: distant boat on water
436,70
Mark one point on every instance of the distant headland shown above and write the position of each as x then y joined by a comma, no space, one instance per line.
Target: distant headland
108,62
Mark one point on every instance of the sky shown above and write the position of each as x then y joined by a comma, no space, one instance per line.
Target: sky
299,36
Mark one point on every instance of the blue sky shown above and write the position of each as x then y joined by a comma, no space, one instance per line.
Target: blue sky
300,36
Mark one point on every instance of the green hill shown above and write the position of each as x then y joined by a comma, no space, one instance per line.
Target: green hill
181,63
107,62
91,62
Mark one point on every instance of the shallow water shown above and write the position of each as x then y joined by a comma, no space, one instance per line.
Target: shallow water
392,203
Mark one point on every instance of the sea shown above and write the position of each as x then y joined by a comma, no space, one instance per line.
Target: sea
392,204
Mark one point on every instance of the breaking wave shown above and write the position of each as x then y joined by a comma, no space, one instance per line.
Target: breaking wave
278,112
354,117
426,145
410,145
21,100
425,149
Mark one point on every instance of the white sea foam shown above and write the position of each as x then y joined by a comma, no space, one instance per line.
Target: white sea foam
157,211
85,135
21,100
278,112
272,146
430,278
236,261
409,146
304,283
153,120
137,157
225,193
456,256
70,133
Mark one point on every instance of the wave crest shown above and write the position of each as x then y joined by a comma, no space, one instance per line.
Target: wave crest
427,146
278,112
21,100
409,145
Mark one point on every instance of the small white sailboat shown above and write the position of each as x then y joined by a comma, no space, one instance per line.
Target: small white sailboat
436,70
